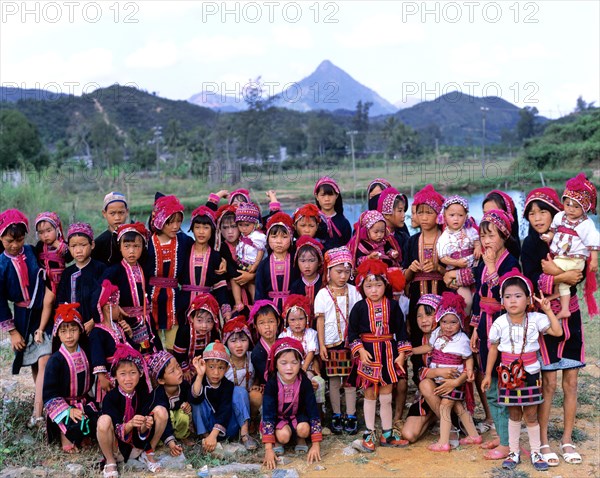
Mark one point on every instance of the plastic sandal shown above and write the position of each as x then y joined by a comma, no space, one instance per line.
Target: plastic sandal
538,462
278,449
153,466
249,443
511,462
301,448
495,454
110,470
572,458
550,458
470,440
483,427
70,449
439,447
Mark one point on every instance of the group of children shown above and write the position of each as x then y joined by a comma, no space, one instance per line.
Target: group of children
153,335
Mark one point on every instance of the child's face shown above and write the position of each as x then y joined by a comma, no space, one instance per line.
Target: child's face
308,263
229,229
132,250
288,366
514,300
238,344
203,322
279,242
540,219
215,371
173,375
491,239
450,325
115,214
339,275
414,217
238,199
491,204
455,216
202,233
374,288
46,232
68,333
396,219
246,228
306,226
173,225
266,325
11,245
326,201
297,321
377,232
573,209
427,217
80,248
127,376
425,321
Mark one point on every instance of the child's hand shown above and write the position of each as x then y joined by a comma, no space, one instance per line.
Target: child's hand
174,448
314,454
428,266
89,326
374,255
477,250
209,444
222,268
365,357
104,382
272,195
400,362
546,238
393,253
199,365
543,303
415,266
594,264
126,328
485,383
475,342
186,408
188,375
223,193
75,414
445,388
270,461
324,355
462,263
16,340
470,375
138,421
489,257
315,385
38,336
447,373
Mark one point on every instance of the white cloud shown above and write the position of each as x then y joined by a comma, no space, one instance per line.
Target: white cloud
381,30
155,54
293,36
220,48
469,62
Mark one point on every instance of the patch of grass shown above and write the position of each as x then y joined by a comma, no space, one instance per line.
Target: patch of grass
555,433
360,460
502,473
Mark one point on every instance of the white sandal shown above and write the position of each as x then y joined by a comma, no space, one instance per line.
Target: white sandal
114,473
550,458
153,466
573,458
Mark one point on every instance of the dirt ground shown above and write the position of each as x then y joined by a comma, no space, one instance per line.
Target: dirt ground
416,461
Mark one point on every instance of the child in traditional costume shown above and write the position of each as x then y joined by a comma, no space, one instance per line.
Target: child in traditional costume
289,407
201,273
333,305
309,262
515,335
168,250
51,250
81,281
129,277
115,211
307,220
373,241
128,425
202,329
393,206
377,334
574,239
222,409
459,245
250,249
335,231
21,282
276,273
499,200
72,414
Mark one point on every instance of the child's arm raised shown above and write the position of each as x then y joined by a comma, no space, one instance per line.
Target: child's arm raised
555,329
200,367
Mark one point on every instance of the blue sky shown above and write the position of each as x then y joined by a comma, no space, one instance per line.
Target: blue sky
542,54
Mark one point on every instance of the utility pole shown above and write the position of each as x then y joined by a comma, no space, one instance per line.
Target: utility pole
157,139
352,134
484,110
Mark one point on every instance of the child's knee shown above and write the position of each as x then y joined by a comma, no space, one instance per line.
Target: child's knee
303,430
104,425
160,414
283,435
256,399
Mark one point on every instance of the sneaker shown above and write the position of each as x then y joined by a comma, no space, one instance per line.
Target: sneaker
511,461
351,424
392,438
337,424
368,441
538,462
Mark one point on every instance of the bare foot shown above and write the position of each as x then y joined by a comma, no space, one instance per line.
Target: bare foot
489,445
563,314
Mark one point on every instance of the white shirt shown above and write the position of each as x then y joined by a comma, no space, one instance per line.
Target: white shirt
242,373
500,334
459,344
587,237
247,253
324,305
456,241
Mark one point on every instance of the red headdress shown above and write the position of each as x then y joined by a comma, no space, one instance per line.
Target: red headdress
10,217
239,192
235,325
451,303
204,302
516,273
377,267
108,295
136,227
280,219
283,345
53,219
580,189
204,211
67,313
259,304
222,212
381,182
126,353
164,208
308,210
297,302
387,198
309,242
508,202
546,195
428,195
499,218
